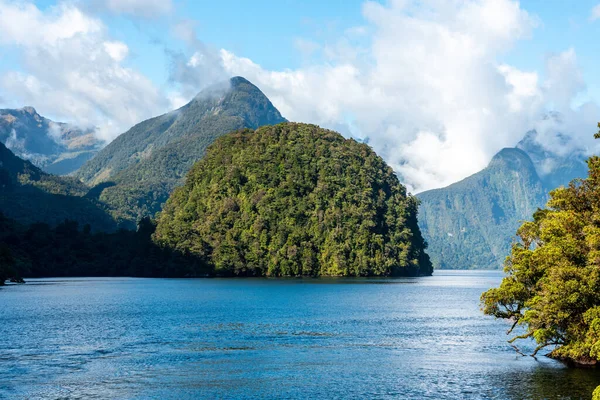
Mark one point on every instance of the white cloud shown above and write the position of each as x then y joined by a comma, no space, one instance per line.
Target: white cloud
564,79
572,127
117,50
138,8
71,69
189,74
23,24
595,14
429,93
420,80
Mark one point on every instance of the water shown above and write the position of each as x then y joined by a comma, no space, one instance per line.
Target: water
421,338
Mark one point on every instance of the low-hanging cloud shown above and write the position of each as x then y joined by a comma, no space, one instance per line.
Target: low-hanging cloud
421,81
194,69
72,70
430,94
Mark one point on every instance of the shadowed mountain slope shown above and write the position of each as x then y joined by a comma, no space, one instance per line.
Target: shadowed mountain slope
29,195
140,168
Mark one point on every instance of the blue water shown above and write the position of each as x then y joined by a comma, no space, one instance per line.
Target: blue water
418,338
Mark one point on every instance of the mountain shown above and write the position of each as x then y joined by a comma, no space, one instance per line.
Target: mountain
55,147
294,199
555,170
30,195
135,173
471,224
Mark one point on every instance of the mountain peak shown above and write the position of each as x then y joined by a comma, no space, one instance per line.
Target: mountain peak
238,80
236,97
159,152
29,110
222,89
513,158
55,147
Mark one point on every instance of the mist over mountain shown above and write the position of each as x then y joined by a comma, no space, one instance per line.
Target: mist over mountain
554,169
472,223
135,173
56,147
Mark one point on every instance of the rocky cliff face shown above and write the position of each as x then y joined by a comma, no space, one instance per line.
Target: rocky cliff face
472,223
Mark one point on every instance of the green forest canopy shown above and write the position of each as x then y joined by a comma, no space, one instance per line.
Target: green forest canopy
69,249
552,287
294,199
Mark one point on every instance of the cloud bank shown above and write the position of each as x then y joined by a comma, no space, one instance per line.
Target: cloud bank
71,69
422,81
430,94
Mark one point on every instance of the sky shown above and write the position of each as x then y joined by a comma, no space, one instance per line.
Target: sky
436,87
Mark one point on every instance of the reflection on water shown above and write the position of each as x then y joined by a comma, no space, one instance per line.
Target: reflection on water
421,338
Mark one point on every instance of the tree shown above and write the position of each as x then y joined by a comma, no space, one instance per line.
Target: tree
7,263
596,395
552,287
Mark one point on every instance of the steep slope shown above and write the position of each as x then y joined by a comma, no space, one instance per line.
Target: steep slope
136,172
56,147
471,224
294,199
29,195
217,110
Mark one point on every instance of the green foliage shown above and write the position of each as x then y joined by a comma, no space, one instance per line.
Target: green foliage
40,250
294,199
151,159
596,395
553,274
471,224
30,195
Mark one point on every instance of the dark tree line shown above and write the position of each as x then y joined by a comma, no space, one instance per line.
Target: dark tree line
39,250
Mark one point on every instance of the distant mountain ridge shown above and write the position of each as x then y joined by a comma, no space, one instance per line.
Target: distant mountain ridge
136,172
472,223
55,147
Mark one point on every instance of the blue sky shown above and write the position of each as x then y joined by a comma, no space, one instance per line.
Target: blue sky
266,31
263,30
435,86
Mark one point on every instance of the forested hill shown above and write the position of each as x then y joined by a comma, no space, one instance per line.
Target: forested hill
29,195
294,199
472,223
138,170
55,147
